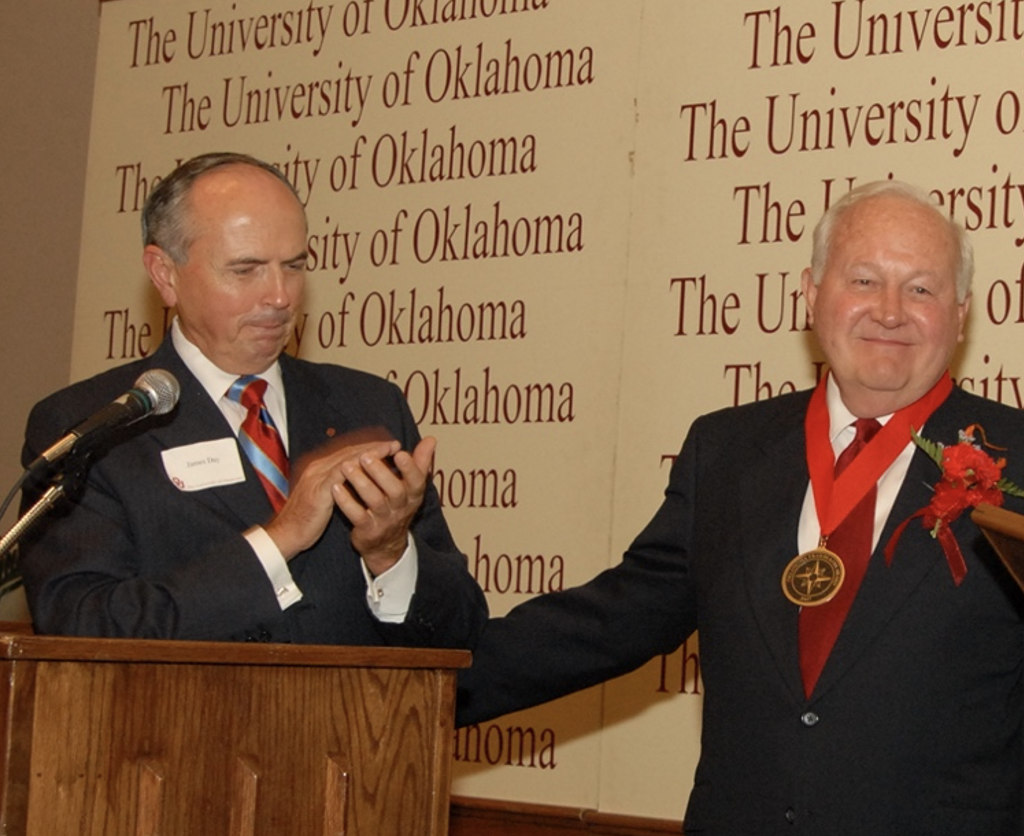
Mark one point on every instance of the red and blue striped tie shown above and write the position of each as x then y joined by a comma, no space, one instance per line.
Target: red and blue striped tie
260,438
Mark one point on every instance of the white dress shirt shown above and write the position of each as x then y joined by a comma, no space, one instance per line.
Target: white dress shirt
841,434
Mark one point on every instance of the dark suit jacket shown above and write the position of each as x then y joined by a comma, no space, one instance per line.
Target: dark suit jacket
915,726
136,557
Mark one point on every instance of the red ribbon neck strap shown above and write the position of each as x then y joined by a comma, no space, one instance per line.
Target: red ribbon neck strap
835,498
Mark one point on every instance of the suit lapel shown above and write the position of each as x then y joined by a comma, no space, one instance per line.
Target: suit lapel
885,588
318,415
770,536
196,419
311,421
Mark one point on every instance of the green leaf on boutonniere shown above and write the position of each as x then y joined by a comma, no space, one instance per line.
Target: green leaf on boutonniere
1006,486
933,449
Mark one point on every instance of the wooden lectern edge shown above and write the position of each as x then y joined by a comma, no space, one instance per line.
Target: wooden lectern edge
18,644
987,516
1004,531
492,817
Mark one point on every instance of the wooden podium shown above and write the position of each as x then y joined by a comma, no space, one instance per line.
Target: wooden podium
110,737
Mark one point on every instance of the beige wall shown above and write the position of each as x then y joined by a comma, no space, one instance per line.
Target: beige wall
47,61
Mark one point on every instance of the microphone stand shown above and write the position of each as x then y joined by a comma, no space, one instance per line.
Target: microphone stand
67,484
50,498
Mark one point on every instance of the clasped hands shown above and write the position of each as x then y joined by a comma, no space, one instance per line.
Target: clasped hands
378,486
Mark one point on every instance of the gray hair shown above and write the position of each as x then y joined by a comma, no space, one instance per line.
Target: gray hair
825,230
165,219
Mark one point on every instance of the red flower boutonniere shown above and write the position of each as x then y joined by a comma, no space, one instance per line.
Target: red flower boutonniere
970,476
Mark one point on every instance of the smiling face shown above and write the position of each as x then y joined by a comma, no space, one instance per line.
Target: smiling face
239,291
886,312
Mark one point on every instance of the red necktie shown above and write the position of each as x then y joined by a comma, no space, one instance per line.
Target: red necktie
851,541
260,440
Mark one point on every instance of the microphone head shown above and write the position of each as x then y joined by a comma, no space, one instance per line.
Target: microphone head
162,389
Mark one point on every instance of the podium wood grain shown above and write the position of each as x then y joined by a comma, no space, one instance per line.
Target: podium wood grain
142,738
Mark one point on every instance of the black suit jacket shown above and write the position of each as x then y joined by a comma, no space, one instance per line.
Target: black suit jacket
136,557
915,726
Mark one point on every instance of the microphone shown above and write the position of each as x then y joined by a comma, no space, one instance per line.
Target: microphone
155,392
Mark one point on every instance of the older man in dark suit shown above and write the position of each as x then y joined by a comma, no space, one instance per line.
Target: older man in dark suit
862,647
281,500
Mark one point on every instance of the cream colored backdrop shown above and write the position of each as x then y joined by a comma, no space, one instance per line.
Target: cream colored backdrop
565,228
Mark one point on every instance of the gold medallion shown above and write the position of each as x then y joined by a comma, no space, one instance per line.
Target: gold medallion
813,578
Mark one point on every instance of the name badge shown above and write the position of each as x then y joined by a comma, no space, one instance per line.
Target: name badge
207,464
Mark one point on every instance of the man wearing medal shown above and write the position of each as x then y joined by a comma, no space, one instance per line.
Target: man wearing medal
862,647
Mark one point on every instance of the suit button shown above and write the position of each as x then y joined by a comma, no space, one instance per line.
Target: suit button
809,719
791,815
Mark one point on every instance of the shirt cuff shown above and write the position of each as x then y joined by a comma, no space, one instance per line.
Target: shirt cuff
276,567
389,595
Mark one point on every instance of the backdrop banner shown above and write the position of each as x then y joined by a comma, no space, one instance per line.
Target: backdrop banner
565,228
